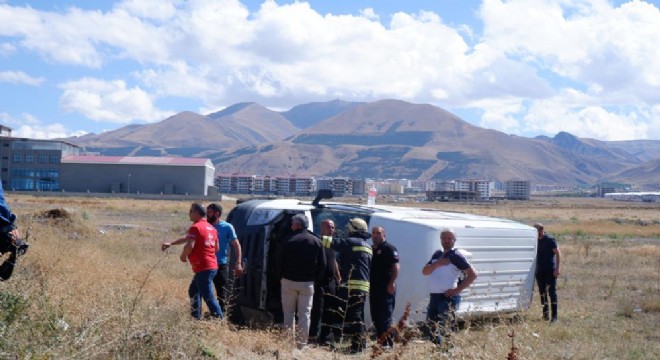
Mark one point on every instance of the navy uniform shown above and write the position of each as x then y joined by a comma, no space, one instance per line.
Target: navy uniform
354,255
381,302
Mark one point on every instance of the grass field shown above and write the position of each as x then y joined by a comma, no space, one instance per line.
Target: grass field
95,285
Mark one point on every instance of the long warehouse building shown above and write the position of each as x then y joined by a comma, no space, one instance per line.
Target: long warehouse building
137,174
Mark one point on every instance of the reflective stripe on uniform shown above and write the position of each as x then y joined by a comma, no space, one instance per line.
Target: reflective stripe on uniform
327,241
361,285
362,249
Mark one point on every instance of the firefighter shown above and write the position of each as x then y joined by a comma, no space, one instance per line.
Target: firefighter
355,263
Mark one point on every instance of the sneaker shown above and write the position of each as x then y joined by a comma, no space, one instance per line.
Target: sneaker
554,320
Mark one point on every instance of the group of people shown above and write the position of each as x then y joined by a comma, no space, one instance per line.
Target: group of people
206,247
325,280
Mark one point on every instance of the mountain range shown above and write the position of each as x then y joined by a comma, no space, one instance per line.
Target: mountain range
382,139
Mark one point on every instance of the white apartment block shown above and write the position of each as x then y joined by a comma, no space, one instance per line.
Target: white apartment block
518,189
483,187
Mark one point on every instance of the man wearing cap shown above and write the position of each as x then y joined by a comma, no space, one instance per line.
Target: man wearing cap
355,265
547,270
302,262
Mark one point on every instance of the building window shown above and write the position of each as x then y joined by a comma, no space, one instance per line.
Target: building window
17,158
29,159
42,159
54,159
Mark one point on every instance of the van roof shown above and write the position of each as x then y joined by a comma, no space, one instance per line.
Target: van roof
428,217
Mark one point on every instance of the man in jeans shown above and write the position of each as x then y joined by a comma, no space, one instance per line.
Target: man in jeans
226,237
201,244
547,269
302,261
443,271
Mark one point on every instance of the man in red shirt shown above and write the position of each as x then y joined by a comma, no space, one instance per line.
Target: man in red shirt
201,244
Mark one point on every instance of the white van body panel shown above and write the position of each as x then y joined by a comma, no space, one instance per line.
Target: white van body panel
502,251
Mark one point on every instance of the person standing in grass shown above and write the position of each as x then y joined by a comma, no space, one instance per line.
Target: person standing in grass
302,262
382,289
201,244
355,265
443,271
548,259
226,236
324,328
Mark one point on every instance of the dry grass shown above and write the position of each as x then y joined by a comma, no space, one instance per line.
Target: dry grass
95,285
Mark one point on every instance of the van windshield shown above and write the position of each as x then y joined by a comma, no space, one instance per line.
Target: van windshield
339,217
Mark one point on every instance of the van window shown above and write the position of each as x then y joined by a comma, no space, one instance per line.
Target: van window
339,217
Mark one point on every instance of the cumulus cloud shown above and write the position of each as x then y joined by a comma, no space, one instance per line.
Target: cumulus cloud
19,77
29,126
531,56
110,101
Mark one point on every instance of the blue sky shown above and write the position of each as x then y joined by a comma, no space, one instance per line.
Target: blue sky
524,67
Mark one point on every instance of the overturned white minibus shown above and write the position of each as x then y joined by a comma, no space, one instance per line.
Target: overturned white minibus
502,251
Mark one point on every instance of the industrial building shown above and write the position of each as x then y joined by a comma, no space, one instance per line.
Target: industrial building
138,175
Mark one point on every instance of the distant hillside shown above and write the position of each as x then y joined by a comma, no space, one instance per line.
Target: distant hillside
383,139
644,175
240,125
307,115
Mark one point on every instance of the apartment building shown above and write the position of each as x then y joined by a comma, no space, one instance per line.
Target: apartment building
518,189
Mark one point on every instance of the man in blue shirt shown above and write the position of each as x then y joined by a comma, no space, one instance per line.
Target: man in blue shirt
9,235
226,236
547,270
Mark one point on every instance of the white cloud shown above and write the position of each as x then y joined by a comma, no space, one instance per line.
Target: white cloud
596,122
7,49
29,126
158,10
500,114
19,77
587,41
532,56
110,101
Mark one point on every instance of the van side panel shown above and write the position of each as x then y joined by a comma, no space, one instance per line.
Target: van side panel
415,244
502,252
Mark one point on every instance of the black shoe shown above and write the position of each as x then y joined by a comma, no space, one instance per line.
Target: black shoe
554,320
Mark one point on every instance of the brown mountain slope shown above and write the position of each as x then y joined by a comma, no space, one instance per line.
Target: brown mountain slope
644,175
396,139
251,124
383,139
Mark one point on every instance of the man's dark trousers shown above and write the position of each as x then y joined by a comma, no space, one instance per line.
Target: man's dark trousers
381,304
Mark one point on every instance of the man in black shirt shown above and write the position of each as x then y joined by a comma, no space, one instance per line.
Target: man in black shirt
303,261
382,289
324,319
547,270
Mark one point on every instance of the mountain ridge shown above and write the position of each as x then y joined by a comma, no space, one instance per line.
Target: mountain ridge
382,139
